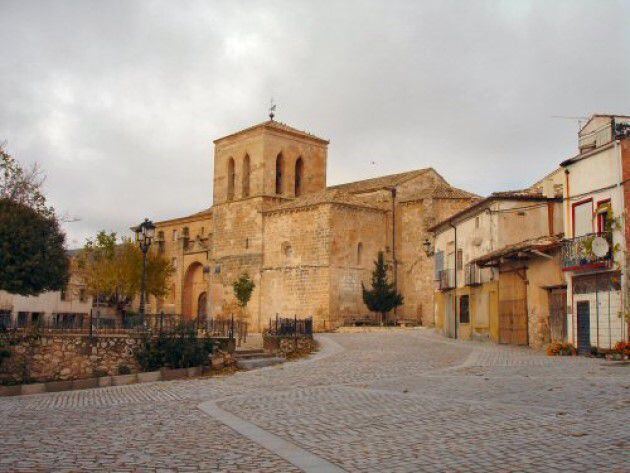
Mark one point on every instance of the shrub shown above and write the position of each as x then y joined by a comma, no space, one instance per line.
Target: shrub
561,349
100,372
123,369
178,349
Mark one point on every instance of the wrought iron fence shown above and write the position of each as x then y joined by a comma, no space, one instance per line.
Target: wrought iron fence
291,326
136,324
578,252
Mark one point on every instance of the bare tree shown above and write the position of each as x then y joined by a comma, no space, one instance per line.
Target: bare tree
22,186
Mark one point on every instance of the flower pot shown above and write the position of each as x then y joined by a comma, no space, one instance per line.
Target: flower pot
149,376
124,379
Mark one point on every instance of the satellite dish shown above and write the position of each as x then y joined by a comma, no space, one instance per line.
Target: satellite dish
600,247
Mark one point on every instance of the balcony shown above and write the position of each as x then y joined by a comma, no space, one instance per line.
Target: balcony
587,252
472,275
446,279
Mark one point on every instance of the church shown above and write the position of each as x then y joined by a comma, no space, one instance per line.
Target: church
307,246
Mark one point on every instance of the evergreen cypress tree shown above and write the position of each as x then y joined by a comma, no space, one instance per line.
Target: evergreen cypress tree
383,297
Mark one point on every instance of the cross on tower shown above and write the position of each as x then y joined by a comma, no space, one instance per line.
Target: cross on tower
272,108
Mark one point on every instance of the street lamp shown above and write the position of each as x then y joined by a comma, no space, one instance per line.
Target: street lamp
144,234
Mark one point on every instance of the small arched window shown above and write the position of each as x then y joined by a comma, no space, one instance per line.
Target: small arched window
359,254
299,176
286,249
279,173
230,176
245,181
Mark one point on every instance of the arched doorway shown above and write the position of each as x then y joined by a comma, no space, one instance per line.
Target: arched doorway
202,308
194,285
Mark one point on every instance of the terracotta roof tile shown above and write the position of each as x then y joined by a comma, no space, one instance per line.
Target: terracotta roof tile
377,183
272,124
539,243
327,196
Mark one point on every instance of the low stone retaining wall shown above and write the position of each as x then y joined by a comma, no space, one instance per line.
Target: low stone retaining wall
164,374
66,357
288,346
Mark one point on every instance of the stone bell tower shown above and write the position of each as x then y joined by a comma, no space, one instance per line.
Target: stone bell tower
255,169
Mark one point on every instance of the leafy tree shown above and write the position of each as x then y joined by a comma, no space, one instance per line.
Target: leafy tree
32,254
383,297
113,272
243,288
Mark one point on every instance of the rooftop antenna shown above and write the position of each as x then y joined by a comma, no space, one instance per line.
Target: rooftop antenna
272,108
578,119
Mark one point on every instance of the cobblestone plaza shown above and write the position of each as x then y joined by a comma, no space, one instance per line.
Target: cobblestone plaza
396,400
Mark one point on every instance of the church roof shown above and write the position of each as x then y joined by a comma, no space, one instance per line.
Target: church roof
442,191
327,196
204,213
274,125
383,182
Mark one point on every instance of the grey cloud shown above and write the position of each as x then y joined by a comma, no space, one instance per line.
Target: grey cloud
119,101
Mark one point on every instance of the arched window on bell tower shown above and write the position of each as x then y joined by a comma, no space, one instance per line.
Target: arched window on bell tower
230,176
299,176
279,173
245,182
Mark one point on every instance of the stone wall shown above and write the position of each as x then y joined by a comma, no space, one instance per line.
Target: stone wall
289,346
66,357
296,276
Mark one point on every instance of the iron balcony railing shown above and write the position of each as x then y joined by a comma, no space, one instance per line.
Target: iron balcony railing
446,279
472,275
586,252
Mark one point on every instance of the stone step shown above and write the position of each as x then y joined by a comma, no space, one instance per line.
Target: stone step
253,363
249,351
245,356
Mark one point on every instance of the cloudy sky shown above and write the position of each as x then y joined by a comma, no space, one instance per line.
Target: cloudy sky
120,101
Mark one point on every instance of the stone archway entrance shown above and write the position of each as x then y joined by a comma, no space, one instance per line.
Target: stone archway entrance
194,286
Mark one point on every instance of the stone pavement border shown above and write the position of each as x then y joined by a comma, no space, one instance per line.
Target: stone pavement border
289,451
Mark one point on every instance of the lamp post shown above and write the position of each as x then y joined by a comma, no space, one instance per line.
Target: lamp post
144,234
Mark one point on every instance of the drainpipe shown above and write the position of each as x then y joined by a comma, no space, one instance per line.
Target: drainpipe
622,234
394,261
455,278
569,224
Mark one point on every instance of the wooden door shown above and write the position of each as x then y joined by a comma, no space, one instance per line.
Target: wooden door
583,327
513,308
558,314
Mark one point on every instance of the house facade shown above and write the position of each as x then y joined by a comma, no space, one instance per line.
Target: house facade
69,308
594,257
495,265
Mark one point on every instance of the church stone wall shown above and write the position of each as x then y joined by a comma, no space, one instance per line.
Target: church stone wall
313,154
415,269
250,144
237,249
350,266
296,277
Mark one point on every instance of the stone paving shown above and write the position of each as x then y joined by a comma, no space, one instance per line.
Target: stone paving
397,400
